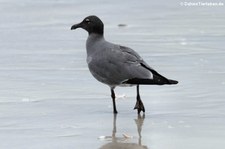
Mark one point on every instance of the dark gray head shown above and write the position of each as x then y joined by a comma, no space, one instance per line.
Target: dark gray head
92,24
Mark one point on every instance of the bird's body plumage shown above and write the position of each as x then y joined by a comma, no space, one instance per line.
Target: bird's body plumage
113,64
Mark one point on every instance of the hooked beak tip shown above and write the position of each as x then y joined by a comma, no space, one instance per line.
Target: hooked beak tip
75,26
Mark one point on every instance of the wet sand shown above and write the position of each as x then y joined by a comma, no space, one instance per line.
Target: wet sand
48,98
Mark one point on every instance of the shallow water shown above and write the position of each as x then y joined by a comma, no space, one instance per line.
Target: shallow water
48,98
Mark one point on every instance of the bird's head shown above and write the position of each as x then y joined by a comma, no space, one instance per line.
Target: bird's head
92,24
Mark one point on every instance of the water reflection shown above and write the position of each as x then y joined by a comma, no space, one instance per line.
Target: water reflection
122,142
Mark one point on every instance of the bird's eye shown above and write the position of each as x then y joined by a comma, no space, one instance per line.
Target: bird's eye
87,21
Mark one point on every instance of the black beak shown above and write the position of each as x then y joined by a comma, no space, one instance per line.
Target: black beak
75,26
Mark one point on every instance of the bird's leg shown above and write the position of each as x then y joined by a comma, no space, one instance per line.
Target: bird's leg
139,104
114,102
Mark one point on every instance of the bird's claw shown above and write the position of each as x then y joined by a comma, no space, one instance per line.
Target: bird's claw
139,106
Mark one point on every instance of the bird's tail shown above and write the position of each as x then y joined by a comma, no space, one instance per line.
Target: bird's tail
158,79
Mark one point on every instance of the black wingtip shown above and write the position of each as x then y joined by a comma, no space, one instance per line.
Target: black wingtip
173,82
157,81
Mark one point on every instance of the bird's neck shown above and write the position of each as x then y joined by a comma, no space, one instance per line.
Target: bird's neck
95,36
92,42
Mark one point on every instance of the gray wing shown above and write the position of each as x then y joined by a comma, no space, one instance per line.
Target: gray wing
117,64
155,78
132,55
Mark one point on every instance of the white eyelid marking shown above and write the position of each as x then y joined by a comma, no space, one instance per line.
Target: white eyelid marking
87,20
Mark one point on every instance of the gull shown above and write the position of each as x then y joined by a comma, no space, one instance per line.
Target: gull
117,65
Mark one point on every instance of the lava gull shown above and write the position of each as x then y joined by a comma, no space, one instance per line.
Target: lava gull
116,65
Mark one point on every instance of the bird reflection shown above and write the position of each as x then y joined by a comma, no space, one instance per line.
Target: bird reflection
121,142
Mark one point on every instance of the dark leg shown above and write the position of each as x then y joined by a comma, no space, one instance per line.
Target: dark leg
139,104
114,102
